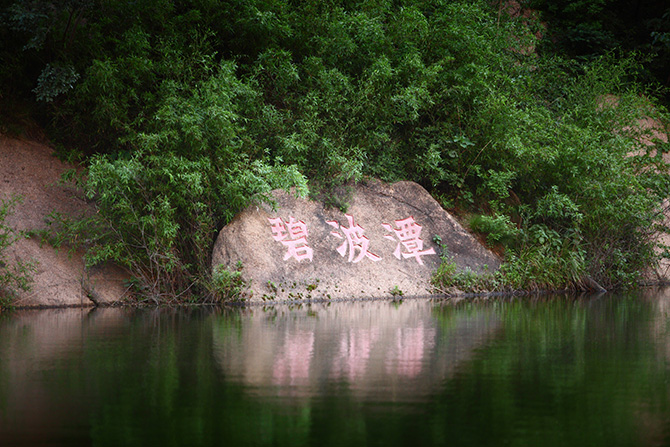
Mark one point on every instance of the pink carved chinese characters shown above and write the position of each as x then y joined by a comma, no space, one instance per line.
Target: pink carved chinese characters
409,236
293,235
355,245
355,241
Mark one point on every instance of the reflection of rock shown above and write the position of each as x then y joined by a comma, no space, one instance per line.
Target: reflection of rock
369,347
36,341
50,334
385,241
406,357
652,424
353,355
661,299
291,364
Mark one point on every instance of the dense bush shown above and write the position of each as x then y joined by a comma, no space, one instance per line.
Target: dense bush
586,29
188,111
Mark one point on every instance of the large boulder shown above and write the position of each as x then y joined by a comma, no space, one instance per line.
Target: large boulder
382,245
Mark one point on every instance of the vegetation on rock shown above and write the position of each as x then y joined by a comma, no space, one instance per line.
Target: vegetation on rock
13,275
186,112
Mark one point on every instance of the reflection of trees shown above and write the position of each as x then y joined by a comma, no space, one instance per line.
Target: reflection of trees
544,372
564,371
36,350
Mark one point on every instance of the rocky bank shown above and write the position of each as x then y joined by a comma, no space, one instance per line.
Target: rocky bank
30,171
387,242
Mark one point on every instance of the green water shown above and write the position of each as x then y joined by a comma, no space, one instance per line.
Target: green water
555,371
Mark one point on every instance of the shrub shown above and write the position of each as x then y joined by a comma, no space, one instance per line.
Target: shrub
498,229
544,260
227,285
158,216
163,205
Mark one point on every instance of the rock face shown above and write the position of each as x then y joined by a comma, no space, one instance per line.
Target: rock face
651,131
382,244
30,171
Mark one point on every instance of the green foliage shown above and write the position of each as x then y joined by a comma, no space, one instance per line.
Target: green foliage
161,213
159,208
17,274
227,285
498,229
448,279
396,292
55,80
42,42
582,27
660,43
539,259
544,260
179,138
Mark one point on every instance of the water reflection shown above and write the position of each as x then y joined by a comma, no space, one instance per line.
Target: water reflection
353,354
34,346
291,364
548,371
369,347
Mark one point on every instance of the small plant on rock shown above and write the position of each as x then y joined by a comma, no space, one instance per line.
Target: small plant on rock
19,274
229,285
395,292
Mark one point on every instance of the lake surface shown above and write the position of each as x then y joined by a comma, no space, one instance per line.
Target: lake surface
550,371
